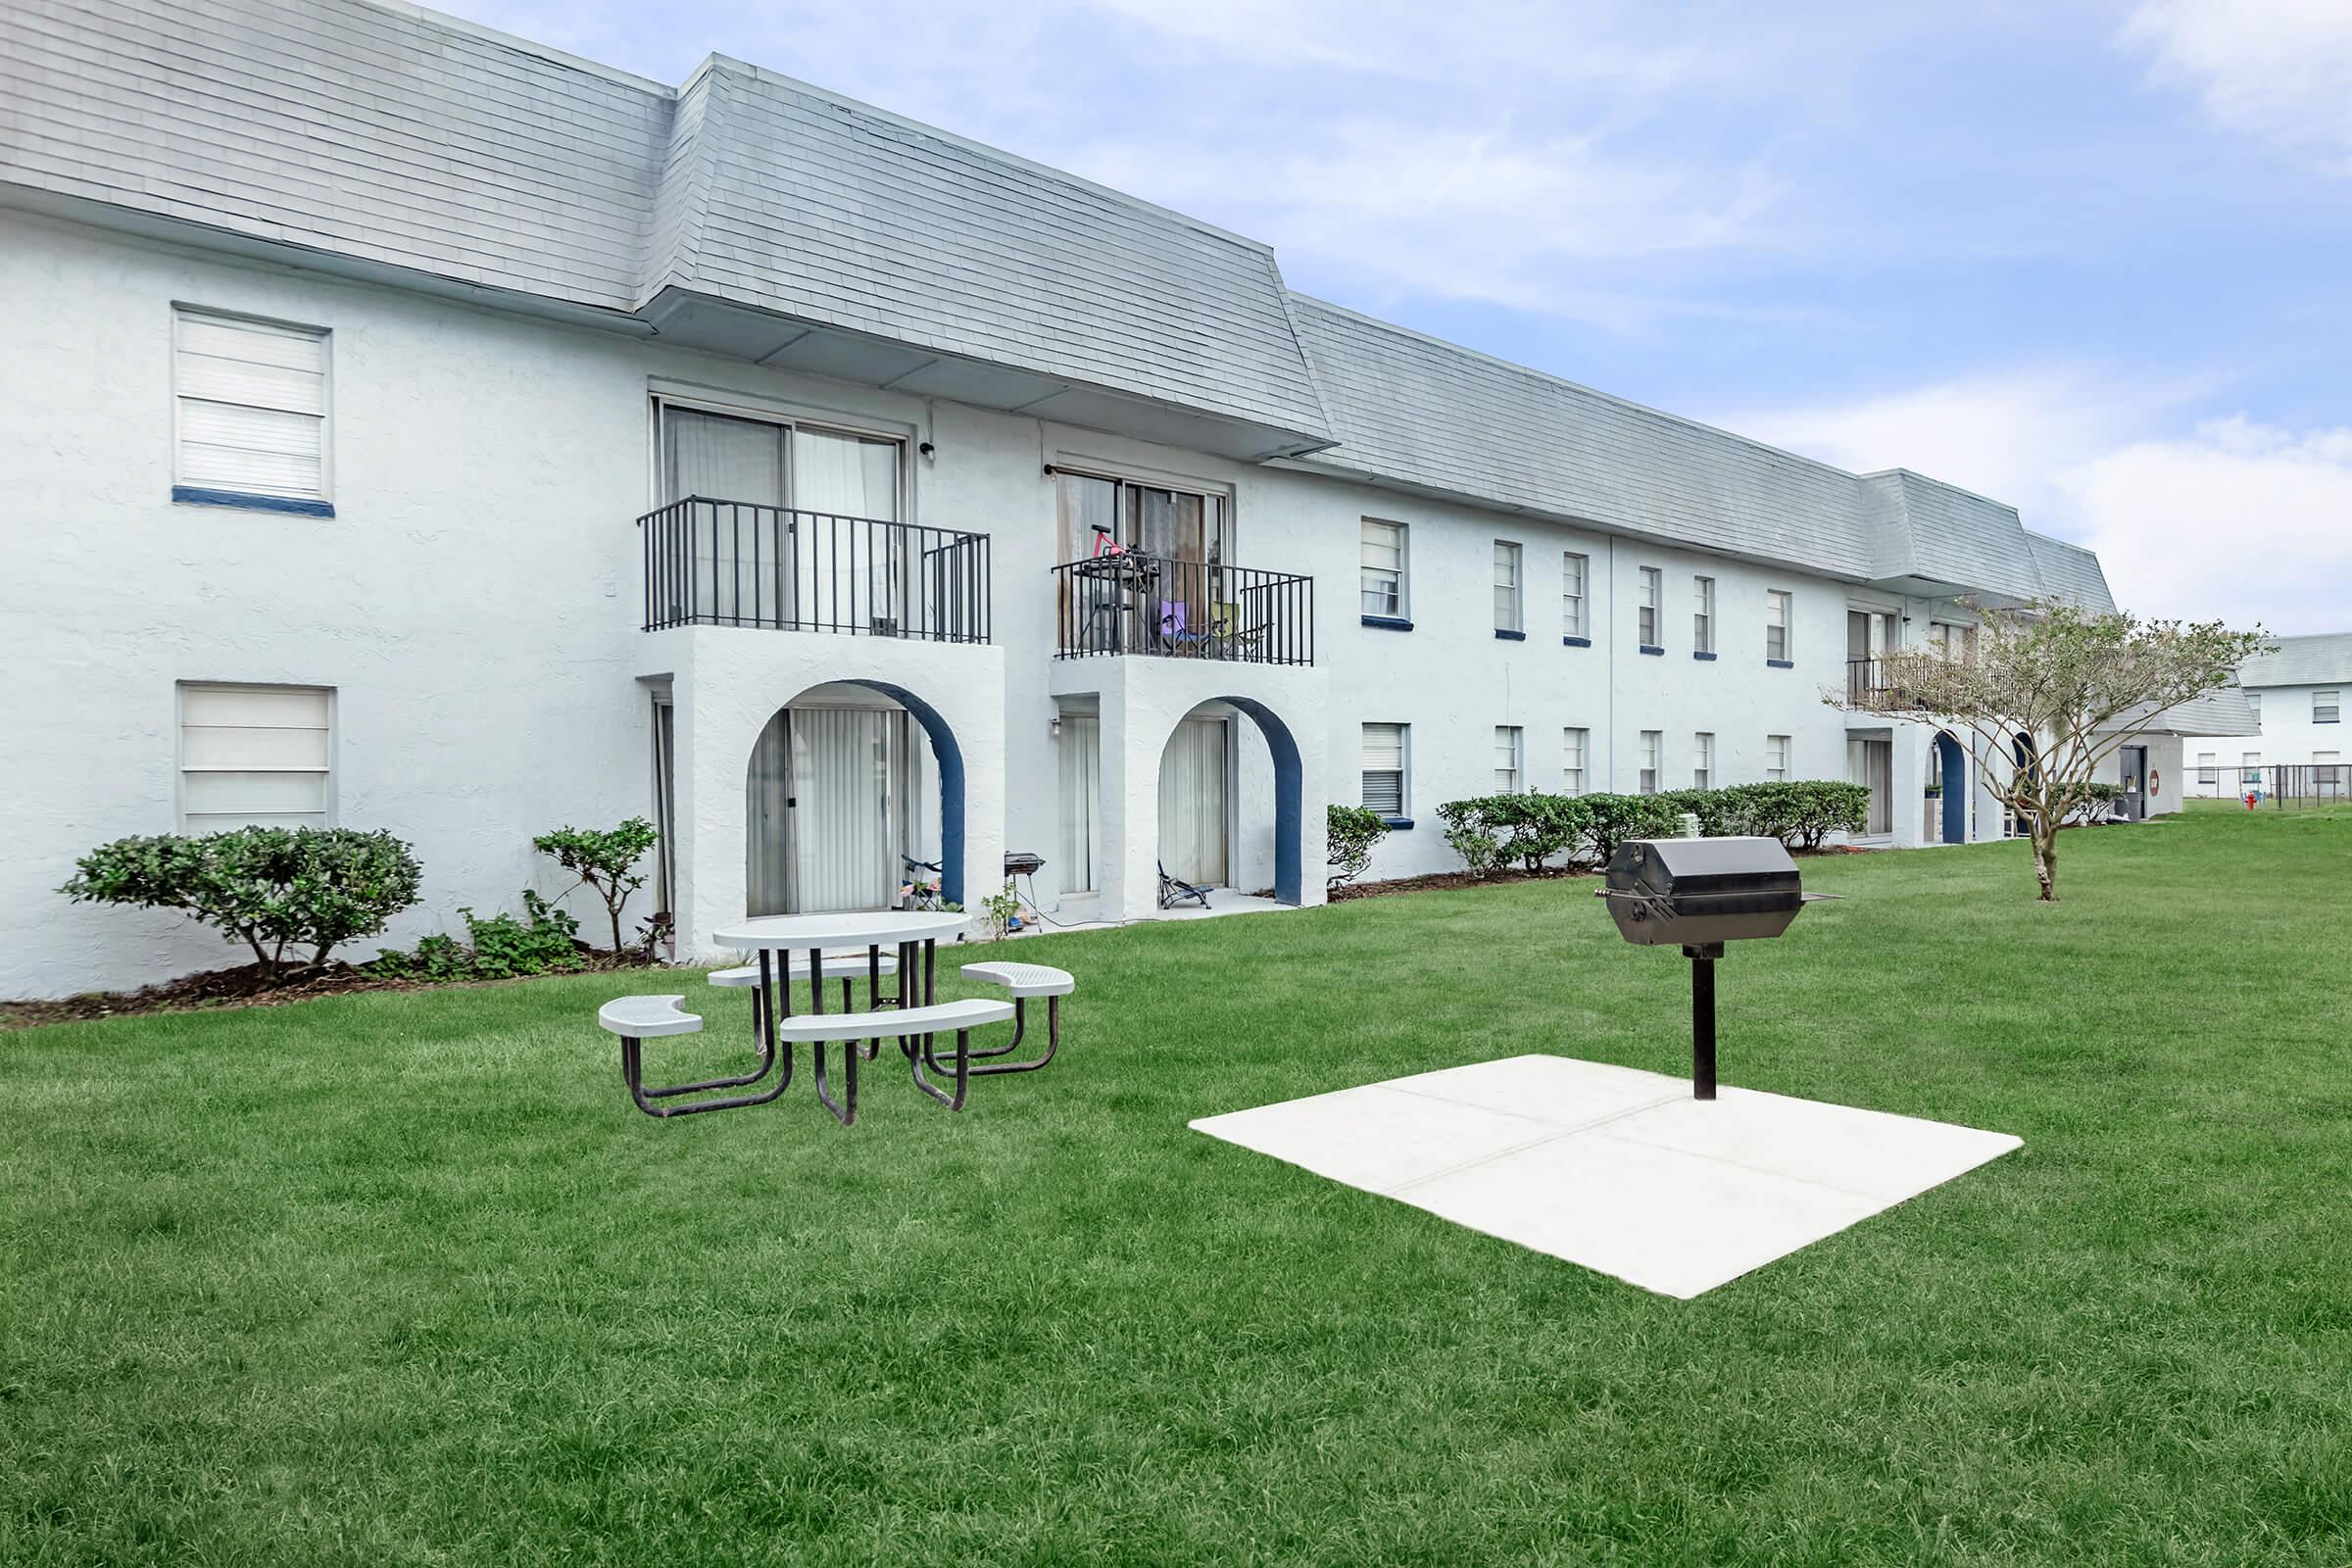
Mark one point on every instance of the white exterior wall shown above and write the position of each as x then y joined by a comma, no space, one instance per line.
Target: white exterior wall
476,605
2288,736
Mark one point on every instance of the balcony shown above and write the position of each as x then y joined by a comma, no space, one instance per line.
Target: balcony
1132,603
736,564
1867,680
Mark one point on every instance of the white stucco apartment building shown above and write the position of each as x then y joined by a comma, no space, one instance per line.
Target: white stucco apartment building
409,426
2296,692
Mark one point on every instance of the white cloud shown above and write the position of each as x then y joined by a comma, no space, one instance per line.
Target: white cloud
2231,519
2276,69
2238,521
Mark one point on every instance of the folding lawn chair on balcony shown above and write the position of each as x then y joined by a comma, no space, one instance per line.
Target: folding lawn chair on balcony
1172,892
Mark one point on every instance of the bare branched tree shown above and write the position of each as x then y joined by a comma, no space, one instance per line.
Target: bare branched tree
2051,691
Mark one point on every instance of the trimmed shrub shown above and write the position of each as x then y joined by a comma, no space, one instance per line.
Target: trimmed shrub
1494,831
272,888
1353,832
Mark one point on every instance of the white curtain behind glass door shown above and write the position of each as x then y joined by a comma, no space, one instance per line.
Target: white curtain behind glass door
1191,803
849,575
844,855
727,459
1079,764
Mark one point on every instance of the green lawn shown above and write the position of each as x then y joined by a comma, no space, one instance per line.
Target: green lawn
402,1278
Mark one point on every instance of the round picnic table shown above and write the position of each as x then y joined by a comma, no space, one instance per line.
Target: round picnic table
915,933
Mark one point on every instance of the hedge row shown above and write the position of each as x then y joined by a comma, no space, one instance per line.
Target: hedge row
1532,831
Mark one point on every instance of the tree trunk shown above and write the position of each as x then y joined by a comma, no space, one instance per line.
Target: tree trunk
2045,857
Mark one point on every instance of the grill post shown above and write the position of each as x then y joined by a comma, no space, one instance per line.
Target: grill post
1703,1017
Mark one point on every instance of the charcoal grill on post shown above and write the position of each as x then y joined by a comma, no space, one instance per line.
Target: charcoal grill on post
1697,894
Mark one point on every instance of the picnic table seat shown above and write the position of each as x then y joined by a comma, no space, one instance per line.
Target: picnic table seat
793,970
915,1029
636,1020
1023,980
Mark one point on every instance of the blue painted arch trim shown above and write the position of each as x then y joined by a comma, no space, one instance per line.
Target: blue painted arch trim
1290,813
1952,765
950,782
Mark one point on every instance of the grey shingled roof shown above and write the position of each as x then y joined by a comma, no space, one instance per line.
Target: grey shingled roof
396,136
2070,571
2302,662
2217,713
374,130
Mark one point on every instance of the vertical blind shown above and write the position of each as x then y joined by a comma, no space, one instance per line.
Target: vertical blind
821,814
1872,763
1078,762
1384,768
1191,803
253,755
252,405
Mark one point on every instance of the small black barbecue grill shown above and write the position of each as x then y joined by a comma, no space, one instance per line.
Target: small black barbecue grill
1020,862
1697,894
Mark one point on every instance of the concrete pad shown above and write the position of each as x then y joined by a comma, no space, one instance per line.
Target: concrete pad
1614,1169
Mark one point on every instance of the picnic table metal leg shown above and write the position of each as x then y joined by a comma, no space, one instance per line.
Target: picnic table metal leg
632,1072
1021,1027
964,1071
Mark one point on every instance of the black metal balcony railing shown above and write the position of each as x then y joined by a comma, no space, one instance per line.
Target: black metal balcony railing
1137,604
1866,679
736,564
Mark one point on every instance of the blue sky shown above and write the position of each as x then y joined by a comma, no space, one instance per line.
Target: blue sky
2089,259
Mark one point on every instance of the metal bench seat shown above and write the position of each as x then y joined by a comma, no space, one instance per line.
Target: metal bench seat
645,1017
639,1019
1023,980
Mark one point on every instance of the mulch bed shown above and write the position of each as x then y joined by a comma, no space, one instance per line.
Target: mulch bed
240,987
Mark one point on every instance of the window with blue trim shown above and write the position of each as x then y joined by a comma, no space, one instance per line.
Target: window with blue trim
250,412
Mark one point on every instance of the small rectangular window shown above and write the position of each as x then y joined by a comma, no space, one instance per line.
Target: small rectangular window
1653,745
1702,614
2254,705
2325,706
253,755
1574,569
1384,768
2207,771
1508,759
1776,624
1776,756
1703,761
2250,760
1575,744
1507,586
1646,611
1383,567
250,409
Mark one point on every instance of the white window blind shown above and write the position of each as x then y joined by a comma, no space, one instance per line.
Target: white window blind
1654,742
1646,616
1506,759
1573,569
1776,623
1575,747
1703,761
1702,614
2326,705
1776,756
251,404
1507,586
253,755
1383,567
1384,768
2207,771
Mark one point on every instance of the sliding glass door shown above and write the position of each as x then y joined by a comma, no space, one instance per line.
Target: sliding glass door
826,811
1193,819
1078,764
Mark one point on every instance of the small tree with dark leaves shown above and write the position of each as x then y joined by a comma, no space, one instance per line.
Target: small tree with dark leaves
605,860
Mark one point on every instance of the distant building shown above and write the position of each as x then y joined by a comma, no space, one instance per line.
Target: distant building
2296,693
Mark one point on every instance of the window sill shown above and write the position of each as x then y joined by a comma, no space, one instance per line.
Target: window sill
191,495
1704,658
1509,636
1398,825
1654,652
1781,663
1576,642
1389,622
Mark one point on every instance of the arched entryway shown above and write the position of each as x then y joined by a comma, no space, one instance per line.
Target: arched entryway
1200,813
846,783
1951,772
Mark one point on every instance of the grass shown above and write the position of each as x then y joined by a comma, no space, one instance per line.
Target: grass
401,1279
